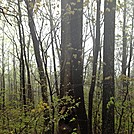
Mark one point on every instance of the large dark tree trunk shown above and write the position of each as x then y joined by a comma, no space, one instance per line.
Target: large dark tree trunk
108,68
95,56
65,75
77,63
65,63
71,57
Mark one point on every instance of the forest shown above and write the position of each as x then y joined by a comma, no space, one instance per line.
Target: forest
66,66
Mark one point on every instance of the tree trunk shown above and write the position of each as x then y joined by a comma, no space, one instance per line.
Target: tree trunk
53,51
3,106
14,74
71,57
29,88
96,50
108,68
65,74
124,55
22,62
77,63
124,69
36,44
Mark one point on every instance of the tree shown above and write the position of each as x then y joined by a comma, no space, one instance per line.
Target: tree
29,87
22,62
3,85
36,45
66,52
96,50
77,63
108,67
124,52
125,67
71,57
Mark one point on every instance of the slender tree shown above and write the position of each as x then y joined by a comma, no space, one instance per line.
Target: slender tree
3,84
130,130
96,49
22,62
14,72
52,30
124,66
36,45
108,68
29,87
124,52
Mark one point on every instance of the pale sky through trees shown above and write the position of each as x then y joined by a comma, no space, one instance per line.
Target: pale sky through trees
56,57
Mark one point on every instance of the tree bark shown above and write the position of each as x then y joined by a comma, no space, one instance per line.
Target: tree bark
65,67
22,62
96,50
53,51
124,55
77,63
108,68
43,80
3,71
124,68
29,87
36,45
71,82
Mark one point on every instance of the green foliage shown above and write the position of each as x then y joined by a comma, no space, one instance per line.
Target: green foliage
67,114
69,102
15,120
110,103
